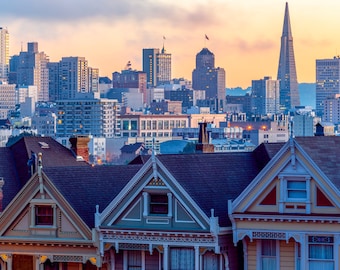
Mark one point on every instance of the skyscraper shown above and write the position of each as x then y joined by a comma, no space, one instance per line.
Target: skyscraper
210,79
265,96
157,66
4,54
327,81
74,77
32,70
289,92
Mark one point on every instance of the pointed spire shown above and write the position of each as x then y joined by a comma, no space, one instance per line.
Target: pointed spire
286,31
289,92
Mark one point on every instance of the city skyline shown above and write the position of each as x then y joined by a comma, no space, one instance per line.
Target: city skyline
241,34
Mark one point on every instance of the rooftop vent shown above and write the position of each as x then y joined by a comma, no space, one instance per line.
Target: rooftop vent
44,145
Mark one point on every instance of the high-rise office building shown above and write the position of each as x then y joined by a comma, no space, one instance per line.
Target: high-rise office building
157,66
53,74
206,77
32,70
327,81
4,54
289,88
73,77
265,96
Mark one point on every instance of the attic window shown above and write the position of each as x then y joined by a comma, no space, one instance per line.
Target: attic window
296,190
44,145
43,215
159,204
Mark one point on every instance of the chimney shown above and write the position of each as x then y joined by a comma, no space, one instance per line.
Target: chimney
203,145
80,147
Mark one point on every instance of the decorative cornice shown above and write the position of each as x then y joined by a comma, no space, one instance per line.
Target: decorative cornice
41,243
157,237
285,218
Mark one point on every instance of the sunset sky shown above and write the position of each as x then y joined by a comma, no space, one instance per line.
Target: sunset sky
244,35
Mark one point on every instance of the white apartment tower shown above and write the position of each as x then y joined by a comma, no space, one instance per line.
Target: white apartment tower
7,99
4,54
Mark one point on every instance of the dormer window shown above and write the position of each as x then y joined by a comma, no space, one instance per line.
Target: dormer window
43,215
159,204
296,190
295,194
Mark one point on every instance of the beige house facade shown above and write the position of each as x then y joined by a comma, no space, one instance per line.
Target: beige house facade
288,217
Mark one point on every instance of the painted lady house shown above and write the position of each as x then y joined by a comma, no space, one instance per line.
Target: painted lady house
288,216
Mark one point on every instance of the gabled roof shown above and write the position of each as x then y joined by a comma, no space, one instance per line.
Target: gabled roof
13,162
316,156
266,151
53,153
9,174
131,148
324,151
86,187
214,178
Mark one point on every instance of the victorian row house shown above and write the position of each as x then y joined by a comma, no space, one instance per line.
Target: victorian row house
274,208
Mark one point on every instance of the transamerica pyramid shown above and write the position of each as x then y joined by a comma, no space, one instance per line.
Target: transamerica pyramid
289,92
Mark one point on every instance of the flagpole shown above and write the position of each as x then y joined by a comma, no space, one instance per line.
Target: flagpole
205,40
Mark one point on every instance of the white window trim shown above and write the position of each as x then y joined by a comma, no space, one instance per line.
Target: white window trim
259,253
283,200
335,249
38,202
146,205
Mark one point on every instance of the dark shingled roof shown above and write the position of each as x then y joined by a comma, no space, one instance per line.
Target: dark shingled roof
86,187
324,151
266,151
13,162
214,178
131,148
54,154
9,174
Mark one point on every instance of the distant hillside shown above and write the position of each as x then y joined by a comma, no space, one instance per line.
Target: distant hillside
307,93
237,91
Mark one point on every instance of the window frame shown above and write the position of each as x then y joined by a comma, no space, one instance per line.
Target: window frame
296,190
34,204
158,201
45,214
321,241
261,256
285,179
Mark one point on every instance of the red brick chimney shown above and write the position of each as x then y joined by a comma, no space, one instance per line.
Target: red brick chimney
79,144
204,145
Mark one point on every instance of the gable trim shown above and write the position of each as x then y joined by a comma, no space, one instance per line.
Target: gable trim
149,165
24,198
245,193
100,217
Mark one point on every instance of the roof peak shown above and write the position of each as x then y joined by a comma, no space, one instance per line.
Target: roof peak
286,31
